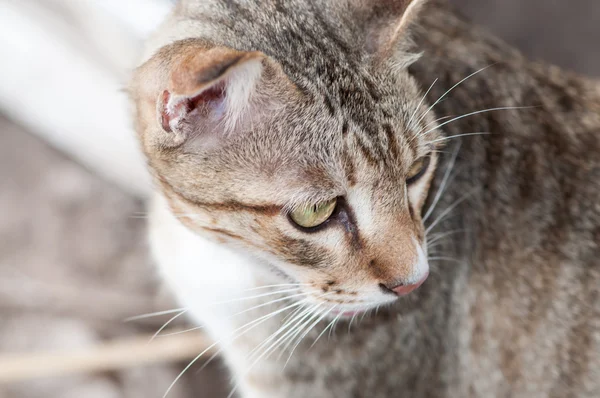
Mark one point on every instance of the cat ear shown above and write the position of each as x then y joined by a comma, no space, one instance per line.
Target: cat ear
215,84
202,94
388,25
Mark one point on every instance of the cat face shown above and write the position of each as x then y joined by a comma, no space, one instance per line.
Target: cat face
322,179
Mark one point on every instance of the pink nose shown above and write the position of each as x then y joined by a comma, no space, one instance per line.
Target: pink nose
403,290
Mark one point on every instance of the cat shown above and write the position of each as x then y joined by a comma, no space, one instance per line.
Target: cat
374,199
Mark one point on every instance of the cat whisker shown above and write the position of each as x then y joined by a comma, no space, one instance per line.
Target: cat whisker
285,325
287,341
456,136
320,316
439,236
154,314
442,187
364,315
350,323
332,330
449,91
300,305
252,297
433,247
434,122
278,285
239,313
248,326
139,214
410,120
181,331
440,151
502,108
445,259
298,328
222,348
270,303
166,324
291,339
209,360
288,316
449,209
227,302
295,315
290,325
328,327
274,345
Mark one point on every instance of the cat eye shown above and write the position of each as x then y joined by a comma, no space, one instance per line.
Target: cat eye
313,216
417,170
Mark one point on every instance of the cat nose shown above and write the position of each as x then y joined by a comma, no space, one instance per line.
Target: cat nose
403,289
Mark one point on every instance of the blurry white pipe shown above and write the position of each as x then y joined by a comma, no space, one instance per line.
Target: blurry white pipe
141,16
64,64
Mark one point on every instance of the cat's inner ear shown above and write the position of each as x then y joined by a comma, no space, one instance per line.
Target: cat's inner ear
209,92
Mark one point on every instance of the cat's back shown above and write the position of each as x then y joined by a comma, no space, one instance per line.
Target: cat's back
529,301
541,125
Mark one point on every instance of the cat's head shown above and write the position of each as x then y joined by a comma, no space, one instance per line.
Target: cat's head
315,161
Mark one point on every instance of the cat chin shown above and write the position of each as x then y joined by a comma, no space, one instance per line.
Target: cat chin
353,312
346,314
341,310
341,313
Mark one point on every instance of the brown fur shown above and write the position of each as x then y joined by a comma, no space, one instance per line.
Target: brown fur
512,306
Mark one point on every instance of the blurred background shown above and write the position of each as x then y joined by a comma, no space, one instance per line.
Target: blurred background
73,257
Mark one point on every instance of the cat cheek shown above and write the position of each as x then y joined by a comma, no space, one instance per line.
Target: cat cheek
416,199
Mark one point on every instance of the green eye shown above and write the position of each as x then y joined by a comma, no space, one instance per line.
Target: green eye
313,216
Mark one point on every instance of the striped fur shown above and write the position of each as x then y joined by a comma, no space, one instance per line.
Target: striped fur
331,103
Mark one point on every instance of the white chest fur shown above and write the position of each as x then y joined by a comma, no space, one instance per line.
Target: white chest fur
207,278
214,283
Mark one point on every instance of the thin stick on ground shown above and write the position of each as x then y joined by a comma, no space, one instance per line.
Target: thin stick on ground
110,356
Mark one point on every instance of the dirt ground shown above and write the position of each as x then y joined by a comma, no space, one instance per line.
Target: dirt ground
73,261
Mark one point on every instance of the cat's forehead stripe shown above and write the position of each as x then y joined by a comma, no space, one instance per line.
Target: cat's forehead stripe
236,206
228,206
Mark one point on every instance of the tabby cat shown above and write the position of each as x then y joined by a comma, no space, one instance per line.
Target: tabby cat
374,199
